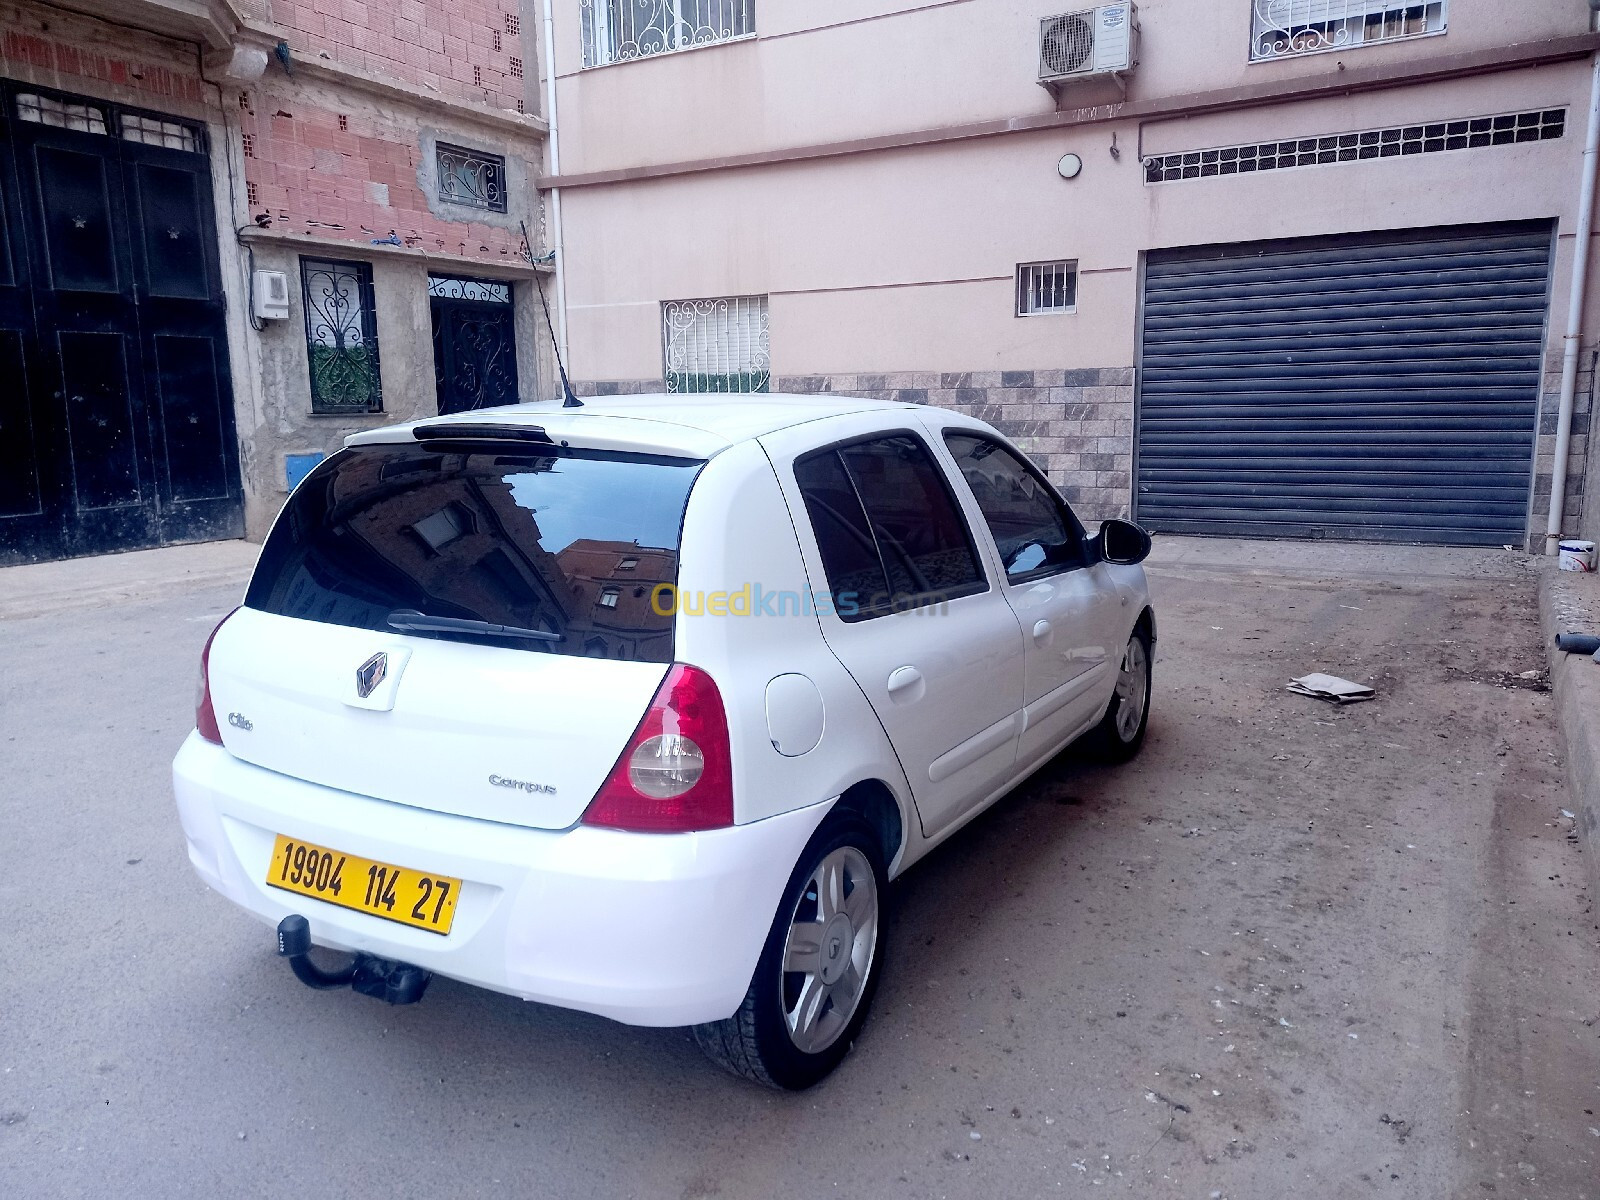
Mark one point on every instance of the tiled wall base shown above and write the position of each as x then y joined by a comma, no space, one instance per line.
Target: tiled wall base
1077,424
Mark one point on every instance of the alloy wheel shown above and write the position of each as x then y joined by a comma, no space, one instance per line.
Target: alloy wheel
1133,681
829,952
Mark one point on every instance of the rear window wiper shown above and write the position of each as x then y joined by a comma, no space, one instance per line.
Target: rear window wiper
409,620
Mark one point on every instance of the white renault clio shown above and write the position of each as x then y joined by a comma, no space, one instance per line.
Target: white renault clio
635,707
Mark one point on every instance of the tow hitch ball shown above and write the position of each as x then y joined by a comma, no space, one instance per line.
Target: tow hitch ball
395,982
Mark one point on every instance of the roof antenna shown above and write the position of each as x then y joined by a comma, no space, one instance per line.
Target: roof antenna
568,400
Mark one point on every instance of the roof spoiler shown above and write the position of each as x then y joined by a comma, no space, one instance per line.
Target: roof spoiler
481,431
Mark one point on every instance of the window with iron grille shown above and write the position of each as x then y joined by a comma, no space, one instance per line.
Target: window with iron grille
341,336
619,30
716,345
1280,28
1468,133
1046,287
471,177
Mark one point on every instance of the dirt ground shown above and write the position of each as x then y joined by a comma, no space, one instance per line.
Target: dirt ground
1290,950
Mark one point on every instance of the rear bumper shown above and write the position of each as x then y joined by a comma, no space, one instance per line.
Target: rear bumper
644,928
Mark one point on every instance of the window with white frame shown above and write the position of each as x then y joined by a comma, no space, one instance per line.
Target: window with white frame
1280,28
1046,287
716,345
619,30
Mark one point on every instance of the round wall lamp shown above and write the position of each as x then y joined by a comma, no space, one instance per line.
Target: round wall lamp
1070,166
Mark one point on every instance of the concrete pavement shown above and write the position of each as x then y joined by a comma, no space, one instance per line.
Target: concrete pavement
1290,950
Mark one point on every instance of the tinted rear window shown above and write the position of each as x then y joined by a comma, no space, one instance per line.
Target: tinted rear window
887,527
569,542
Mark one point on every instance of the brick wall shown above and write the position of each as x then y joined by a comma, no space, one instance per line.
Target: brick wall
351,172
472,50
63,51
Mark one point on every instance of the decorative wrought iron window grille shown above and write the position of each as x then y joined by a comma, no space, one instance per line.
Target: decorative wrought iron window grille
716,345
471,177
341,336
485,291
1046,287
619,30
1281,28
1433,138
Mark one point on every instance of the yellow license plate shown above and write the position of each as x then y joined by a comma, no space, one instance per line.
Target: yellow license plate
393,893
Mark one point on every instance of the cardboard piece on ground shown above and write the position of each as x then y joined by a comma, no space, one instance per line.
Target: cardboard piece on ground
1331,687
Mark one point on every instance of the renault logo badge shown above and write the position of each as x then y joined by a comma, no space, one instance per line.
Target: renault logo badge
371,673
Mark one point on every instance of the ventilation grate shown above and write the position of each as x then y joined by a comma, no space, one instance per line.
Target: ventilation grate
1467,134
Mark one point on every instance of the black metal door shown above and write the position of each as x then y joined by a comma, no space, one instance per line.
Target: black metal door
27,454
107,215
1376,387
474,343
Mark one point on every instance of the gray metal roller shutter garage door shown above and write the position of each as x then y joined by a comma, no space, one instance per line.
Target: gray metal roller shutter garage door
1376,387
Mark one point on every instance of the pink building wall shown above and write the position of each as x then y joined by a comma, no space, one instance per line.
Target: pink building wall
822,163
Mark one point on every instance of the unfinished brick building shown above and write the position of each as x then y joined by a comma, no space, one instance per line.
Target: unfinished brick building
235,231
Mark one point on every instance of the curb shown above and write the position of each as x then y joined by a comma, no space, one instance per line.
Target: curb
1565,606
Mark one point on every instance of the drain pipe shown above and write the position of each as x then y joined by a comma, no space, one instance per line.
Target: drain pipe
558,245
1570,345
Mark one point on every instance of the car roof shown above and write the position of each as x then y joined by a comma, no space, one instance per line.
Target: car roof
695,426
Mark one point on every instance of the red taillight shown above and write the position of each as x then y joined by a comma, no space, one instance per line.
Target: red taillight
205,717
674,775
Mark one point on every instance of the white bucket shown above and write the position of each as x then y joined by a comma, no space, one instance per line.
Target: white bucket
1575,556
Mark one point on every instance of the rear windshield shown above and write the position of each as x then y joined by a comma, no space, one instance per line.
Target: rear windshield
569,542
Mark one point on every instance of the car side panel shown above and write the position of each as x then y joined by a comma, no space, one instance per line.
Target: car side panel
739,540
955,729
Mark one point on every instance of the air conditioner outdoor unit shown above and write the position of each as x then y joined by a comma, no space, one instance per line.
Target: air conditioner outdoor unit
1093,43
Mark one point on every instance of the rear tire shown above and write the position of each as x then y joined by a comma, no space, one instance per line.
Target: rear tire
819,969
1120,733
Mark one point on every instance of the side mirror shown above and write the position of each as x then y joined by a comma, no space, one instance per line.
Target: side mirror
1123,542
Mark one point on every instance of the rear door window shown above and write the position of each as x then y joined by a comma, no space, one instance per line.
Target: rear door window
1034,531
890,534
569,542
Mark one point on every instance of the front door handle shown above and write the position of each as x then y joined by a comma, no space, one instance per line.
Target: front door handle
1041,632
906,685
